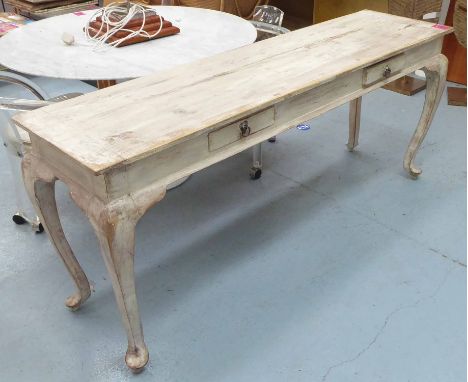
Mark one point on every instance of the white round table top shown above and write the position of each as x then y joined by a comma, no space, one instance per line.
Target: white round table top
38,49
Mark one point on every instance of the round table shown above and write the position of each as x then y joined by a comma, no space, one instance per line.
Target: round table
38,49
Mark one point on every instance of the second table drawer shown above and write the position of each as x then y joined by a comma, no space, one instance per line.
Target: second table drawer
382,70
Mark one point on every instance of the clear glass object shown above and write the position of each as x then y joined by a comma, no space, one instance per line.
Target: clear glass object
14,153
268,14
13,144
268,19
167,2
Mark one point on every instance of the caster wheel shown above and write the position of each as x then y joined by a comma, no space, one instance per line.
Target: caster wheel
272,140
18,219
40,228
255,173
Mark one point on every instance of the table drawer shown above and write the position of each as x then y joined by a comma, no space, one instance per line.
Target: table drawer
241,129
382,70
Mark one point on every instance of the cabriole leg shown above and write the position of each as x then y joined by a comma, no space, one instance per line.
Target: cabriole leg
40,186
114,224
436,73
354,123
117,243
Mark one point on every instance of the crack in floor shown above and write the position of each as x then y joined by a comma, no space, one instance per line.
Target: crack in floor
455,261
398,309
443,255
385,324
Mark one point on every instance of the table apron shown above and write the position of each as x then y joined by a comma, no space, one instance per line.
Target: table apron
194,154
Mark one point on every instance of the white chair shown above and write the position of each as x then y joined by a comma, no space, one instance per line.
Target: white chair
16,141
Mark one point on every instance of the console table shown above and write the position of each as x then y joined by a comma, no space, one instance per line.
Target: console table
117,149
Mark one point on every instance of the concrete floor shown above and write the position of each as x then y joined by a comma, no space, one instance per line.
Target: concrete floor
335,266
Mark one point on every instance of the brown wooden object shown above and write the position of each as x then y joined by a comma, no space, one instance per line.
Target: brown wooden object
330,9
242,8
152,24
407,85
101,84
459,21
165,32
413,9
31,7
457,96
208,4
302,13
455,52
149,19
151,28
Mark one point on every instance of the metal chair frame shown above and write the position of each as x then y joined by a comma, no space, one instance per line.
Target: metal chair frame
267,27
15,144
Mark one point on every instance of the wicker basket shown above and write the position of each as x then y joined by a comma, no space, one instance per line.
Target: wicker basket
459,21
414,9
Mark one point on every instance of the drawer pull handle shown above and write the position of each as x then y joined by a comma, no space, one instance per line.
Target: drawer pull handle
387,72
244,128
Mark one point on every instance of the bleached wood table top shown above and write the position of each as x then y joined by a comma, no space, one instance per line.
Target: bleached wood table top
249,79
38,49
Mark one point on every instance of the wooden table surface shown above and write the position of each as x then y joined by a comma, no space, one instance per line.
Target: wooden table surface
86,128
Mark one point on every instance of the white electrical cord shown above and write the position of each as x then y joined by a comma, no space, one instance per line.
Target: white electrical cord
122,13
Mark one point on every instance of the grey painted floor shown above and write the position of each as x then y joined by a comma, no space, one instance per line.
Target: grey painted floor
333,267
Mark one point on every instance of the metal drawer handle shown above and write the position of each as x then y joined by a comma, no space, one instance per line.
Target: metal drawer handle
244,128
387,72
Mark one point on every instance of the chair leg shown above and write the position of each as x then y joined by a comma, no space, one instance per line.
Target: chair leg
40,186
436,74
354,123
256,169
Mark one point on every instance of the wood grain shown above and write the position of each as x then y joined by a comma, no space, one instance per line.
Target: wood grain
129,121
297,13
407,85
31,6
456,96
354,123
455,53
329,9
